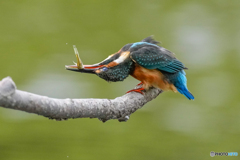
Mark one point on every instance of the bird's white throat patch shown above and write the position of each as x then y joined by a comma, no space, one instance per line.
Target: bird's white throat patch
123,56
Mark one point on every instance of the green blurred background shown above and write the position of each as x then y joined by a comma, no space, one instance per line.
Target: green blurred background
36,39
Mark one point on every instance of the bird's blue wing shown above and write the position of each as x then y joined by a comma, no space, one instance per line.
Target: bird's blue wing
152,57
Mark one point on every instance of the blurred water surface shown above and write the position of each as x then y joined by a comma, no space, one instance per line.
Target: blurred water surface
36,42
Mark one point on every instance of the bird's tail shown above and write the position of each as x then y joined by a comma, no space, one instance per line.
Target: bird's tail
181,85
183,90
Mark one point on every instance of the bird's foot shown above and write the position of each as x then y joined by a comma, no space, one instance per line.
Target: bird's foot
139,83
139,90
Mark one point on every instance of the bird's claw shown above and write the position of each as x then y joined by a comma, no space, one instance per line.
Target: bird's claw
139,90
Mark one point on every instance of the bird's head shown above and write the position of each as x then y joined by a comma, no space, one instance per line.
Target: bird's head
114,68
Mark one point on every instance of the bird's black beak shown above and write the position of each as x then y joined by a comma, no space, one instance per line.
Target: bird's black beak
79,67
83,70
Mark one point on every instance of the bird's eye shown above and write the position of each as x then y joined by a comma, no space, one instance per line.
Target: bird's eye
104,69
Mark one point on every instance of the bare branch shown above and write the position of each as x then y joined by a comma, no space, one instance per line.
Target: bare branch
104,109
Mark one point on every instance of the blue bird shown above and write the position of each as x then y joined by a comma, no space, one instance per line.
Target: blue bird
146,61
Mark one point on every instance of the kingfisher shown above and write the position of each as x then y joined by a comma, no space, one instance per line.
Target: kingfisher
147,62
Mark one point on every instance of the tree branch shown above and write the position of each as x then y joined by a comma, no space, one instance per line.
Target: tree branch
61,109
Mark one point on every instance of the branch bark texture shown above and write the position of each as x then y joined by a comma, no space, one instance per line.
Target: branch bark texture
61,109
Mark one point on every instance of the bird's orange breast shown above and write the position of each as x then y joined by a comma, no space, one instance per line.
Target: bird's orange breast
152,78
